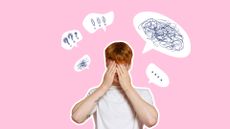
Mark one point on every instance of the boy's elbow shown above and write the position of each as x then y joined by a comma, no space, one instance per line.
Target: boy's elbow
151,122
76,119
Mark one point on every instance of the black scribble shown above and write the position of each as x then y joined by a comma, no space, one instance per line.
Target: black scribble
82,64
163,33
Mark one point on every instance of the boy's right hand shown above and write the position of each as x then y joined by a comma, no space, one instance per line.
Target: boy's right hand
109,75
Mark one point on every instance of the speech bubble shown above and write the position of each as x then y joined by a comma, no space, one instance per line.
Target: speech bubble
82,63
157,76
70,39
95,21
162,34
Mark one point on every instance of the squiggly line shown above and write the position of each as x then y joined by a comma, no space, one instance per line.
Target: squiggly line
163,33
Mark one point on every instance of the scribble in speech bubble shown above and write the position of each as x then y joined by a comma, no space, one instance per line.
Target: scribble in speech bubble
157,76
94,21
82,63
70,39
162,34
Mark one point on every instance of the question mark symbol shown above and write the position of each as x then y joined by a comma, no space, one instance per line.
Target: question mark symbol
65,40
70,36
76,35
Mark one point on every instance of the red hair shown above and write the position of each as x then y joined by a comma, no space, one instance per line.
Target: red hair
119,52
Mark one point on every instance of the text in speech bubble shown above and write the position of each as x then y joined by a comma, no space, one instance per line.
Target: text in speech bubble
94,21
157,76
70,39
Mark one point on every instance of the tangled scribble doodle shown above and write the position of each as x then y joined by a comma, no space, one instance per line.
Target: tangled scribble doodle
163,33
82,63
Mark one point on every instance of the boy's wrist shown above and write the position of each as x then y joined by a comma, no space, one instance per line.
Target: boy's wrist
127,88
104,87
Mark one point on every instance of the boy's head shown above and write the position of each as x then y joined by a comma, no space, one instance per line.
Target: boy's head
121,53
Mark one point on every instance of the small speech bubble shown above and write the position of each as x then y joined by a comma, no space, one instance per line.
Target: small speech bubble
162,34
70,39
94,21
157,76
82,63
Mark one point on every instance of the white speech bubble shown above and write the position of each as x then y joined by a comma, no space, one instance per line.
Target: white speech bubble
94,21
157,76
70,39
82,63
162,34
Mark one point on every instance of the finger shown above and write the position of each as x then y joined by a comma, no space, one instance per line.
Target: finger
119,71
124,68
113,69
111,66
120,68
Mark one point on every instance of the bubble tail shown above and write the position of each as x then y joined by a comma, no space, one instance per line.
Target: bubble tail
148,47
150,81
104,28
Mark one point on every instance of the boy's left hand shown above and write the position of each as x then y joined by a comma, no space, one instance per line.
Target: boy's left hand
124,77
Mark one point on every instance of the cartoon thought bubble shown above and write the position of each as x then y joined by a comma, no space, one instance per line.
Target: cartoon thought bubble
162,34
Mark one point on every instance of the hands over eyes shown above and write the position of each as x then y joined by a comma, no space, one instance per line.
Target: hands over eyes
123,75
109,74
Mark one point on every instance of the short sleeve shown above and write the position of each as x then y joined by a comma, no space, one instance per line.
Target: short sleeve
147,95
89,93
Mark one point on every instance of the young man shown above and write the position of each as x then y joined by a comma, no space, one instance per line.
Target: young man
116,103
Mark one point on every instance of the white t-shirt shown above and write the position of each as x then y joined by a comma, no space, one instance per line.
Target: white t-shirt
113,110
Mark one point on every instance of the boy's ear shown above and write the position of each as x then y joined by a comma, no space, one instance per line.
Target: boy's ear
107,63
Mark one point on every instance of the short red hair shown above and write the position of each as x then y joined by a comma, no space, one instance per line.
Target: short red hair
119,52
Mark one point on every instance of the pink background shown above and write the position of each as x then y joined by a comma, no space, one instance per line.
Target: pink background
38,84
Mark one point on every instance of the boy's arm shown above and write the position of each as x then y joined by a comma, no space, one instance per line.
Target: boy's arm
146,113
82,109
76,106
